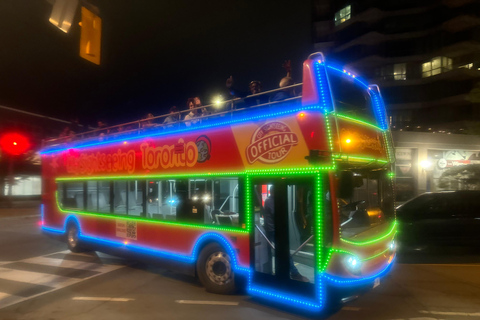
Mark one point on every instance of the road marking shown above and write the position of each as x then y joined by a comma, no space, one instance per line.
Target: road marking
219,303
29,278
448,313
102,299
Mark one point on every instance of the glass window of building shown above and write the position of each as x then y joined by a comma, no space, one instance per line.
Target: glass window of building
343,15
396,71
436,66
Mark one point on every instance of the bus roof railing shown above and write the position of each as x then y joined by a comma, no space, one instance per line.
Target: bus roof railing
138,126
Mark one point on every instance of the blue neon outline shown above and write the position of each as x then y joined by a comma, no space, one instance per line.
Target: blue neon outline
209,236
377,102
210,123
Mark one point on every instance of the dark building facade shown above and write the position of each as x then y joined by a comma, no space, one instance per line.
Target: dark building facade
425,56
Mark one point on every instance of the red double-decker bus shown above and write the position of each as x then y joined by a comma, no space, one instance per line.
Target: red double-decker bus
292,199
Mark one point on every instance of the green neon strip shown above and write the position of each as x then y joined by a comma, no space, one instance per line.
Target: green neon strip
377,255
248,202
292,171
330,138
169,223
358,158
368,124
331,251
371,241
319,220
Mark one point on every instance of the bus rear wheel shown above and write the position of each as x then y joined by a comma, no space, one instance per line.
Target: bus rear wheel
215,270
73,241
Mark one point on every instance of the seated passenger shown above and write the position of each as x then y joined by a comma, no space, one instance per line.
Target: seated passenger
192,114
173,116
255,87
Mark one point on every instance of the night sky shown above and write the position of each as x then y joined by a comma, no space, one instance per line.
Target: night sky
155,54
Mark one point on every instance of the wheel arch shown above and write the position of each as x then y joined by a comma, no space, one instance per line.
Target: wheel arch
219,239
71,219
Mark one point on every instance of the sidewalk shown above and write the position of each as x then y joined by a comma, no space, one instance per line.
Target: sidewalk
20,209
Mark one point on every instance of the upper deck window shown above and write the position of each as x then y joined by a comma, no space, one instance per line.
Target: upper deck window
343,15
350,99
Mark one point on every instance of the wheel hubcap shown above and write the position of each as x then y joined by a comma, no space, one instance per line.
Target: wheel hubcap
73,237
219,269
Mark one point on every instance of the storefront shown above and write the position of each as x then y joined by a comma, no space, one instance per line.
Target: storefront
422,158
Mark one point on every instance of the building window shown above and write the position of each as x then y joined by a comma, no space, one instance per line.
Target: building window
436,66
342,15
396,71
467,66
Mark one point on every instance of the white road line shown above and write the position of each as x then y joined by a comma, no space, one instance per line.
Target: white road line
217,303
47,261
37,278
448,313
102,299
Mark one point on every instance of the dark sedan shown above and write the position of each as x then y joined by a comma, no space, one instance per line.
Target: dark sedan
440,219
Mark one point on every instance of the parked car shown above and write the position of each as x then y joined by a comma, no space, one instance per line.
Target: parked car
440,218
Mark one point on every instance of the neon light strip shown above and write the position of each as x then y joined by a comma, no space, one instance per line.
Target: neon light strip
343,281
362,243
319,234
295,301
376,255
149,221
358,158
201,127
358,121
192,174
181,257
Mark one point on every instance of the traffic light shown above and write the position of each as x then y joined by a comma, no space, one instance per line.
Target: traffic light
90,37
14,144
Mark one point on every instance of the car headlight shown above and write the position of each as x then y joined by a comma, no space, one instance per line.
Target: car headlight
353,264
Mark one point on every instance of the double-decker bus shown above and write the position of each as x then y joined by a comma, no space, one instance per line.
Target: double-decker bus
291,199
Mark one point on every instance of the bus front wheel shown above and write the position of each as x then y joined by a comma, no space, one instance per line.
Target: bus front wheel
73,238
215,270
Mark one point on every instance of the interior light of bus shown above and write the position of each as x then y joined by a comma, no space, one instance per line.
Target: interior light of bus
348,140
195,198
206,198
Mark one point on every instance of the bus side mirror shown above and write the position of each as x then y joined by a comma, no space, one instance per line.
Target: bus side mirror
346,185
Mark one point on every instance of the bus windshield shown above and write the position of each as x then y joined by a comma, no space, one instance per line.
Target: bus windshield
350,99
370,205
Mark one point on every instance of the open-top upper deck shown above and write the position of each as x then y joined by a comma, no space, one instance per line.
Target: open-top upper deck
338,118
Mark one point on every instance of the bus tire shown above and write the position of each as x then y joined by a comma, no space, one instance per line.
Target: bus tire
72,237
215,270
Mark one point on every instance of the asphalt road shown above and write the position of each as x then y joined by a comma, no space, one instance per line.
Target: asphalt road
40,279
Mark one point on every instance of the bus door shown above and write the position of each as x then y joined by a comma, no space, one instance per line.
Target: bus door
283,244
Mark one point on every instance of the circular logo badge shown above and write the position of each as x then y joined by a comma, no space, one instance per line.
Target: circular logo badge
271,143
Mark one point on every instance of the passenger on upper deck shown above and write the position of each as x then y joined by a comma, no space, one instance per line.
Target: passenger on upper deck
173,116
285,82
192,114
255,87
198,104
148,121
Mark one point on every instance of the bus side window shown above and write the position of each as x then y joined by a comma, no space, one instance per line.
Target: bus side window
73,196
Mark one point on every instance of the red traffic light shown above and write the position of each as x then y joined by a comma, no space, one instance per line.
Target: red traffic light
14,144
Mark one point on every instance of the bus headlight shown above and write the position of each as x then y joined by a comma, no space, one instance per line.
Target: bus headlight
392,246
353,264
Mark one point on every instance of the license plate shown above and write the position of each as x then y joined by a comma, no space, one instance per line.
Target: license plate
376,283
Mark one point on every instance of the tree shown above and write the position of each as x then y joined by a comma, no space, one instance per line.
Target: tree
467,177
